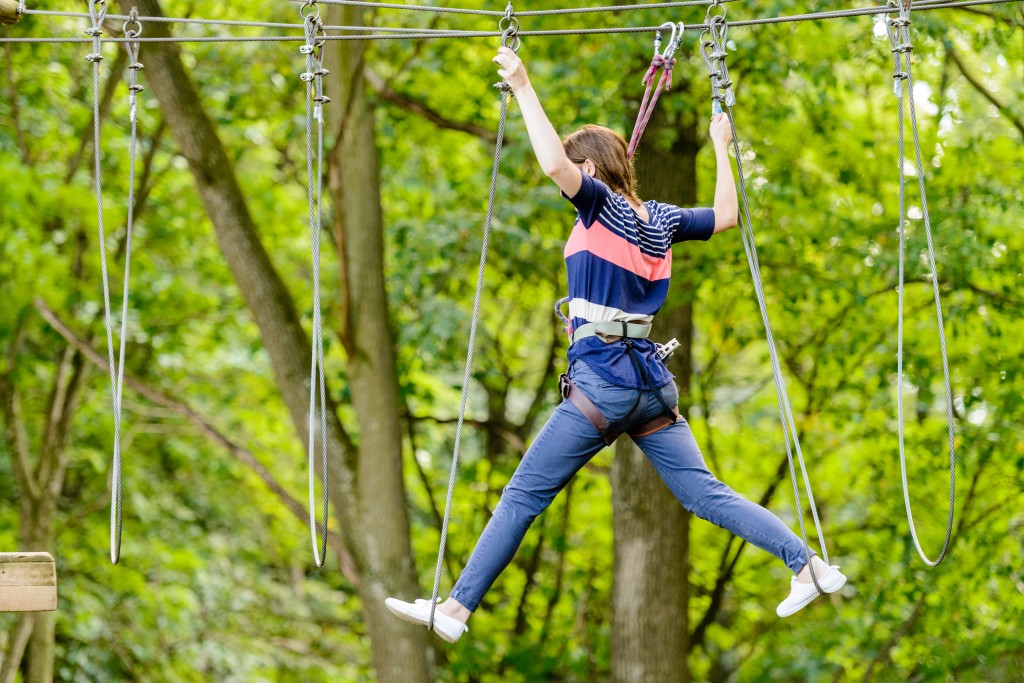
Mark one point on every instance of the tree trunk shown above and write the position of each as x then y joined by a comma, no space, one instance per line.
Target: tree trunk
41,487
650,588
364,498
400,653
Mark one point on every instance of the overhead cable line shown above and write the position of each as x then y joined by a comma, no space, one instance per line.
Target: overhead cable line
527,13
242,24
428,34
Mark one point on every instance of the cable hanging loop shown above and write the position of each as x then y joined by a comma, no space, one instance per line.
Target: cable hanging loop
898,30
133,29
316,38
713,50
474,323
899,36
97,12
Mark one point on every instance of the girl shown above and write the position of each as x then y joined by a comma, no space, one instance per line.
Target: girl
619,260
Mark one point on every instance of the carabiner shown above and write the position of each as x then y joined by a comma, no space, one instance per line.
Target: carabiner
657,35
673,44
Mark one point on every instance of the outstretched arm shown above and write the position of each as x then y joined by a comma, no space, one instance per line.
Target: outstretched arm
726,206
546,143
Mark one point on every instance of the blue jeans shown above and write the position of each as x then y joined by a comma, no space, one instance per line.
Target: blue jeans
568,441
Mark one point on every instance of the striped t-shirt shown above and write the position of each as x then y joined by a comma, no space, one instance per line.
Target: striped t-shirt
619,267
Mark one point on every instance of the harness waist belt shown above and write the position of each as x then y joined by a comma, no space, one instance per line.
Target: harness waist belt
637,330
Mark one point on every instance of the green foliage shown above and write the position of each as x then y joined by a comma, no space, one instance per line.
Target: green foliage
216,581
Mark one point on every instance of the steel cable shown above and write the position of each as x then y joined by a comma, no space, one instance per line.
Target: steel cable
722,95
509,40
899,37
431,34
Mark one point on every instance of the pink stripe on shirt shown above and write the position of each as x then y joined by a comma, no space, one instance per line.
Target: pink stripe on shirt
605,244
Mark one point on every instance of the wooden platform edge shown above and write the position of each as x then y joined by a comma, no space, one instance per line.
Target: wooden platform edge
28,582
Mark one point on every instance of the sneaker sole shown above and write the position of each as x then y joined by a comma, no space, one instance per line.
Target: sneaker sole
829,589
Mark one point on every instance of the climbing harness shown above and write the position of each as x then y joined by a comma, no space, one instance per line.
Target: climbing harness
898,29
315,101
610,430
508,25
132,30
713,50
663,61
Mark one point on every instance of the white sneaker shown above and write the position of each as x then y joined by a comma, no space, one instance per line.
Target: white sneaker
448,628
801,594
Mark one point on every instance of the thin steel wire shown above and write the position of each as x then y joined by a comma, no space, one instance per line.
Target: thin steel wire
722,96
313,82
900,40
503,87
429,34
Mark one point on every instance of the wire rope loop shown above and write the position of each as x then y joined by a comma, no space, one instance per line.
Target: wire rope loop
315,37
511,40
505,90
97,12
899,36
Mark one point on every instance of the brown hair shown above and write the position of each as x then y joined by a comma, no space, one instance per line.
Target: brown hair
607,149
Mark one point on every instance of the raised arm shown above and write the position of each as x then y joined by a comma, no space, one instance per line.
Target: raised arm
726,206
546,143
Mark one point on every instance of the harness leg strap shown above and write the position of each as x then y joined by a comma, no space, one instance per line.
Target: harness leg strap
655,425
608,431
590,411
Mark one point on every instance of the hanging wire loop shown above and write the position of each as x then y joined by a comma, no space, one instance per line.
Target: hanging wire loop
713,51
315,100
97,14
474,324
898,29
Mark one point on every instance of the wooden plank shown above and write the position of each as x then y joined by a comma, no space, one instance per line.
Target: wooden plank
28,582
28,598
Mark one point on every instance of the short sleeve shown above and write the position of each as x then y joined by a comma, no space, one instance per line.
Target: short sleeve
688,224
589,199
